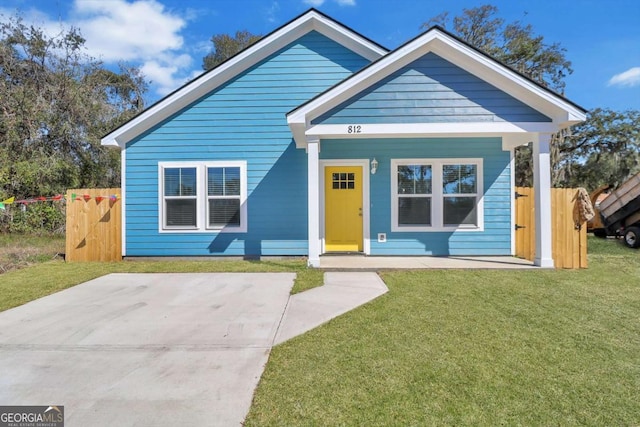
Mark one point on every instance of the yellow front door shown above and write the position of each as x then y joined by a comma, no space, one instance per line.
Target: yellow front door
343,208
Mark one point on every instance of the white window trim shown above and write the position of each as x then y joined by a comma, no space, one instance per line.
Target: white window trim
202,197
437,220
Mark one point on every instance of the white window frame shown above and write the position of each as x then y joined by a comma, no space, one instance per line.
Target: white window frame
202,205
193,198
437,195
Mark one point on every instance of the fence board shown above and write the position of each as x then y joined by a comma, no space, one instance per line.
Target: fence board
93,231
525,219
569,242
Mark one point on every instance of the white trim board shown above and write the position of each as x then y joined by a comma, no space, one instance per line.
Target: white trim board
512,198
418,130
201,197
199,87
562,112
366,203
437,195
123,197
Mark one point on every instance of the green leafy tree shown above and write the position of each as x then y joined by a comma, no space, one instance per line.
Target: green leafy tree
225,46
605,149
56,102
515,44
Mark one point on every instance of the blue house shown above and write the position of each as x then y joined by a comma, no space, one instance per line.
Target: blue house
317,140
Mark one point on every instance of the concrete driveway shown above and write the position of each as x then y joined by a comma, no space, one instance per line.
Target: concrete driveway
144,349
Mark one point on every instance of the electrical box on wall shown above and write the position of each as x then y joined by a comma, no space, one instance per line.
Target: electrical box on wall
382,237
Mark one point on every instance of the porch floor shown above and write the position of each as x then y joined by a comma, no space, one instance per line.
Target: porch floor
372,263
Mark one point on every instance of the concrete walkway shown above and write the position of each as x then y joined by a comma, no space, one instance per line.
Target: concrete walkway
376,263
161,349
342,292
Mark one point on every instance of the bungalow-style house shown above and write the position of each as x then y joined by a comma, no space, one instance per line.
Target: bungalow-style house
317,140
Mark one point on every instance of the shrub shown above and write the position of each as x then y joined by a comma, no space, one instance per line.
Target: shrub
35,218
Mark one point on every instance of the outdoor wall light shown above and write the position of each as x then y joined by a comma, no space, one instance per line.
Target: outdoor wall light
374,166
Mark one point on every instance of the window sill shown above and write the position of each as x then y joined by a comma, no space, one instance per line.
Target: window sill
203,231
474,229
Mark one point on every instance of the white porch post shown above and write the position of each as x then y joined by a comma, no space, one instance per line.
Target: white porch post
542,191
313,194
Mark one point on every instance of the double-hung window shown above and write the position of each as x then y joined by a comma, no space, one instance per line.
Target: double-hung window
180,197
436,194
460,194
415,195
203,196
223,196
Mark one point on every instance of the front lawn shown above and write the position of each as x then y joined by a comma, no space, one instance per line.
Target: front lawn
441,348
471,348
21,286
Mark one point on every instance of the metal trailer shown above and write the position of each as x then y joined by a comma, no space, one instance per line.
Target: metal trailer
620,212
595,225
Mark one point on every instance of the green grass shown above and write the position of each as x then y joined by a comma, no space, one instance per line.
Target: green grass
471,348
441,348
608,247
20,250
21,286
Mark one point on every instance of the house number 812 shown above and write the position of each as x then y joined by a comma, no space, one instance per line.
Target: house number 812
354,129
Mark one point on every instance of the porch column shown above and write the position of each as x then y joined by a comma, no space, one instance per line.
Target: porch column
313,194
542,191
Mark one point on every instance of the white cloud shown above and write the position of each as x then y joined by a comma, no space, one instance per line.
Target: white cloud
346,2
119,30
313,3
272,11
161,75
141,32
37,18
166,78
629,78
168,72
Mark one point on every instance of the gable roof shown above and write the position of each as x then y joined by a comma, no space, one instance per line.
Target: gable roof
562,111
312,20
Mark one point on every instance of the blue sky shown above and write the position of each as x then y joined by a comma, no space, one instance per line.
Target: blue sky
168,38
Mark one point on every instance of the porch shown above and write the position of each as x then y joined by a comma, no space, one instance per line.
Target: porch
374,263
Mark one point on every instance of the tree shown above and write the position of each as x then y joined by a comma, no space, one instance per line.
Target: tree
56,102
513,44
605,149
225,46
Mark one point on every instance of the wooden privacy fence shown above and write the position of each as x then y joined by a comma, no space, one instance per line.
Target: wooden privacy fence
94,224
569,239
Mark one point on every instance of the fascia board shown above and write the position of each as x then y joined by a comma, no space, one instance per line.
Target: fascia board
239,63
359,81
506,80
459,54
348,39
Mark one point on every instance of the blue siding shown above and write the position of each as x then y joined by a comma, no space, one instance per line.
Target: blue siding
242,120
431,90
496,237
